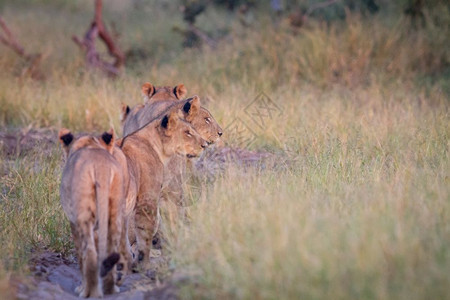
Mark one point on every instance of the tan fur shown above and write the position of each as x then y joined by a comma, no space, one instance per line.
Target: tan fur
199,117
175,174
124,265
152,93
92,197
147,151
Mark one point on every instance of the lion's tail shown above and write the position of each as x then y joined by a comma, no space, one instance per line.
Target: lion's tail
102,189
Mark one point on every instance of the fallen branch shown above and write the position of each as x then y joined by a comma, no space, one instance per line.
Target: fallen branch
93,59
32,60
319,5
203,36
191,10
9,40
298,19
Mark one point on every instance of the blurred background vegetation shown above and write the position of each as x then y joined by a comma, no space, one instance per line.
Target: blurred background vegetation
345,45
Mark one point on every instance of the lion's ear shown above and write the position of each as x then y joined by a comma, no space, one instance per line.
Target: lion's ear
180,91
108,140
192,107
148,90
65,138
170,121
124,111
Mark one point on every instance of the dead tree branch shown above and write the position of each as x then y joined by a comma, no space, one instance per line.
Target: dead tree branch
298,18
203,36
93,58
319,5
9,39
193,34
32,60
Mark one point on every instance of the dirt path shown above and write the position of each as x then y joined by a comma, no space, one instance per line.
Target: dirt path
56,277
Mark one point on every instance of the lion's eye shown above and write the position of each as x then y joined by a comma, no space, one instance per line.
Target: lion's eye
208,120
188,134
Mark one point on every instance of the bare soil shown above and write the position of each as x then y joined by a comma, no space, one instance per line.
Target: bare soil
56,277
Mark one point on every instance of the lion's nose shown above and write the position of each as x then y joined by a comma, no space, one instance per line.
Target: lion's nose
204,145
220,133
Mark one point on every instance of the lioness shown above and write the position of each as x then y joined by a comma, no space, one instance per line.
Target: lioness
147,151
92,197
157,101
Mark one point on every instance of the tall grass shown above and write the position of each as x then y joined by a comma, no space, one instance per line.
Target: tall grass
362,213
31,217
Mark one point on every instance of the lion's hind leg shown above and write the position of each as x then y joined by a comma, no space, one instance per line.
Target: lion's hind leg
116,219
126,259
146,221
91,286
77,242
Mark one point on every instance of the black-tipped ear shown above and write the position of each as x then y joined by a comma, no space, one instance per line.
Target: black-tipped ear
187,107
107,137
67,138
180,91
191,108
107,140
165,122
124,112
175,91
148,89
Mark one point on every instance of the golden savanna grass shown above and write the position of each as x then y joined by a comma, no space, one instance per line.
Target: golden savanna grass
355,201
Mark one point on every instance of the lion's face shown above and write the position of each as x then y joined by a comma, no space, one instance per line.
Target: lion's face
205,124
202,120
180,137
193,142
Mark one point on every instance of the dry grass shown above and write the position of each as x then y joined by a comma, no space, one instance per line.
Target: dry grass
30,212
362,211
360,206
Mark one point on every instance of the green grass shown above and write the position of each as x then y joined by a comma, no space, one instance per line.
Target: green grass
30,213
356,203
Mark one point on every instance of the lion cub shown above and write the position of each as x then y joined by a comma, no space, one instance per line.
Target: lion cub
92,197
192,111
159,100
147,151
